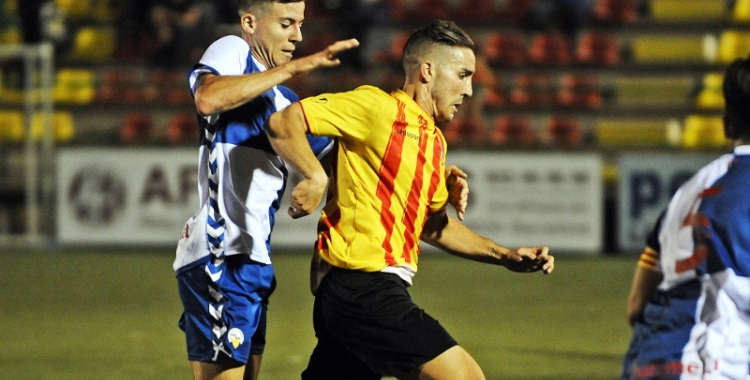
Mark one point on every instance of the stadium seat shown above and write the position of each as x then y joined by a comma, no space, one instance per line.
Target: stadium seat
532,90
615,11
63,127
563,131
630,132
741,11
711,96
92,45
549,49
182,129
475,11
465,131
687,10
597,49
513,132
653,91
390,54
135,129
703,132
12,127
428,10
668,49
580,91
75,9
733,44
504,48
74,86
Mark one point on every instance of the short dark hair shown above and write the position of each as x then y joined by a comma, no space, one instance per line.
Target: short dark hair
736,91
244,6
437,33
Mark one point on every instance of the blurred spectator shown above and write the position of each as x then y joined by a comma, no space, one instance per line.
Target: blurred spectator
566,16
362,19
182,29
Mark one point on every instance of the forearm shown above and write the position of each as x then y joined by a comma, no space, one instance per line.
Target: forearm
286,131
645,282
451,236
219,93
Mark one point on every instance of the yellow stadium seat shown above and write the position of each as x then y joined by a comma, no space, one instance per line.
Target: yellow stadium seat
741,11
63,127
703,132
93,45
618,133
653,90
75,9
11,126
667,49
711,96
75,86
733,44
687,10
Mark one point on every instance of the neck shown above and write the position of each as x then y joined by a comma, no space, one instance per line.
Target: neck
420,93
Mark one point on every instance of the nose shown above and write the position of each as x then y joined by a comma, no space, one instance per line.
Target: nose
297,35
469,89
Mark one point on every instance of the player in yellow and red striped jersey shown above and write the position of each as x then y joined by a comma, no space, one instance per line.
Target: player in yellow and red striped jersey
387,193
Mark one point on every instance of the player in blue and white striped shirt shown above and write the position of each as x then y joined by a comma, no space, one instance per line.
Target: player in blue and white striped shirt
690,298
223,266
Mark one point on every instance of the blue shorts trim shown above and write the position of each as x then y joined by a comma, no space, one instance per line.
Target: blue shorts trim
240,330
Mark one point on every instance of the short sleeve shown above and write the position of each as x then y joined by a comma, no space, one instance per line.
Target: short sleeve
348,115
226,56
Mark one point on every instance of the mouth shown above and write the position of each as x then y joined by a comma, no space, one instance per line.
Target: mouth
288,53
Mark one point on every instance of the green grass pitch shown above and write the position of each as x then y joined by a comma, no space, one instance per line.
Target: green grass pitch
113,315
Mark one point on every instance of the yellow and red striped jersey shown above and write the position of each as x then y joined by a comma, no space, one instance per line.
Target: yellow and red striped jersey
388,174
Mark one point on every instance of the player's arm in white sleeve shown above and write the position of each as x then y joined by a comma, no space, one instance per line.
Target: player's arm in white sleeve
454,237
218,93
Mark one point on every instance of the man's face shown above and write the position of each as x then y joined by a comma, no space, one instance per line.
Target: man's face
277,32
454,70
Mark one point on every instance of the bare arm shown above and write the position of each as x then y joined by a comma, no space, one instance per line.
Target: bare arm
644,284
455,238
219,93
286,131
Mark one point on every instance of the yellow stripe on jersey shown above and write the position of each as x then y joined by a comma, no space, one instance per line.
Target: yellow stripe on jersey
388,175
649,259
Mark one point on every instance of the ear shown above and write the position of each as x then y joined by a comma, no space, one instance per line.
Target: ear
426,72
728,132
248,22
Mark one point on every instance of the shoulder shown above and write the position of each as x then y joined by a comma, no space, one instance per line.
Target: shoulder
230,43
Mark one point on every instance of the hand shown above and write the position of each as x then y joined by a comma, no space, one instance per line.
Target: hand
323,58
458,190
530,260
306,195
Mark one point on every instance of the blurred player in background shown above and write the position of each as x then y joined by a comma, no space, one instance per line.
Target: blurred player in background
224,270
388,192
689,303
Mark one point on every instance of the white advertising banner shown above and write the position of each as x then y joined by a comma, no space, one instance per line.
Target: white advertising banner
646,184
125,196
532,199
144,196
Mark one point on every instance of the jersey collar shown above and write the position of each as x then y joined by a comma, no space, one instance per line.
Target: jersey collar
742,150
404,97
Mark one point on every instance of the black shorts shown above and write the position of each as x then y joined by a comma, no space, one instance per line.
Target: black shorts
368,327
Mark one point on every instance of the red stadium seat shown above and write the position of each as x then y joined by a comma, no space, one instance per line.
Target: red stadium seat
136,129
549,48
598,49
579,91
617,11
563,131
469,131
182,129
428,10
475,11
505,48
513,131
531,90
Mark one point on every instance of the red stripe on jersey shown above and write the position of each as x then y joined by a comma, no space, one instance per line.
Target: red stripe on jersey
387,174
412,202
325,225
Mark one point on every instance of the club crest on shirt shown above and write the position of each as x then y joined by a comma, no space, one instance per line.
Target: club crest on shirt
235,337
